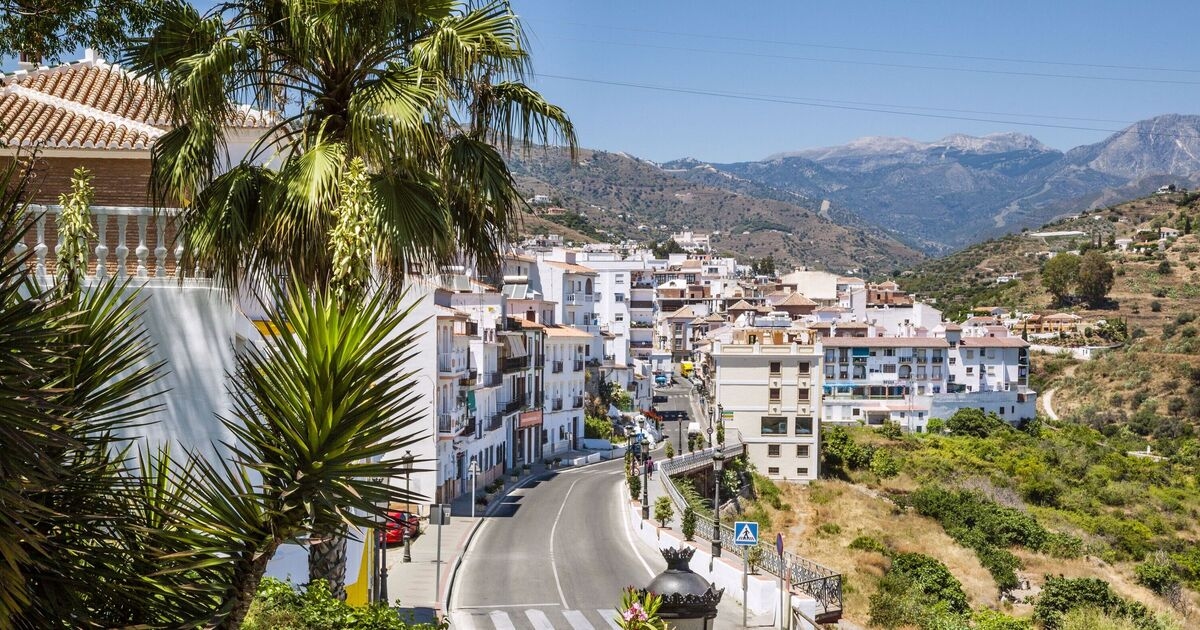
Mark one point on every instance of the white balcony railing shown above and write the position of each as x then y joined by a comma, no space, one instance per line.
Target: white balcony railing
129,242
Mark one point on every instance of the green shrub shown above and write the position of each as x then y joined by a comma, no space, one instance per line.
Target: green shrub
972,421
280,606
988,619
932,578
883,464
1062,595
1155,306
1157,574
829,529
597,428
635,486
663,511
867,543
891,430
688,524
935,426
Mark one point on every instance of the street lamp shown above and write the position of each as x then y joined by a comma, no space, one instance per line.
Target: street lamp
408,459
710,431
718,460
381,551
645,478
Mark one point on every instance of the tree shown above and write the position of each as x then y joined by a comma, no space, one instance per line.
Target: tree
663,510
664,250
1059,275
688,524
421,92
635,486
47,29
972,421
382,148
1095,278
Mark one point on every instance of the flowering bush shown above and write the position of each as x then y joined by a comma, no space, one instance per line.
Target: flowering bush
639,611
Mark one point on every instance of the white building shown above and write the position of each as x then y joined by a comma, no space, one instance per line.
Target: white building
767,387
564,386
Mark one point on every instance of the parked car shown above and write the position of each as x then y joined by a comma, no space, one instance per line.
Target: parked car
661,380
400,524
658,398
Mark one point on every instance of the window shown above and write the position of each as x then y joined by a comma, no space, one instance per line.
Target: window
775,394
801,450
889,368
804,424
829,371
803,395
776,368
774,425
889,352
620,317
803,472
970,354
803,369
773,470
619,297
772,450
970,371
953,360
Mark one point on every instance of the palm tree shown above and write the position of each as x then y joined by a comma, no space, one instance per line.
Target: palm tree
422,91
417,94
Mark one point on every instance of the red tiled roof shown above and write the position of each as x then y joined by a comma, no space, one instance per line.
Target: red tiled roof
89,104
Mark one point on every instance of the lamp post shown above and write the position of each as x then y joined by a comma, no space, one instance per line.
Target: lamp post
718,460
381,552
645,478
710,432
408,459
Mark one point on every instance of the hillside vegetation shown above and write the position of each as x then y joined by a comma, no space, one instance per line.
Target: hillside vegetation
614,197
1003,512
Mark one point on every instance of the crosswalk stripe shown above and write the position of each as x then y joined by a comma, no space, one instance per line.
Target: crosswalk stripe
462,622
539,619
501,621
610,615
577,620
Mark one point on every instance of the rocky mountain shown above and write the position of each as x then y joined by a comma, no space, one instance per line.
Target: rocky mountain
615,196
945,194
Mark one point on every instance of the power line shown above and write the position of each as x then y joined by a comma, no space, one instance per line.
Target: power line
881,64
878,110
884,50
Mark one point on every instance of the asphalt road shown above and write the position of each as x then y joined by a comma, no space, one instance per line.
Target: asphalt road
557,555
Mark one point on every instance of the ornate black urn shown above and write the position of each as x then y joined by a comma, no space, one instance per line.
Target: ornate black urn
688,601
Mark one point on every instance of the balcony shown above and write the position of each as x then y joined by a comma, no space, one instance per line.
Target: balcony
515,364
641,344
906,359
580,298
450,363
577,365
577,402
636,304
556,367
491,379
452,423
515,405
556,404
495,422
469,379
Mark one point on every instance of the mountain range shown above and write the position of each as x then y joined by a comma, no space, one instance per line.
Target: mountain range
942,195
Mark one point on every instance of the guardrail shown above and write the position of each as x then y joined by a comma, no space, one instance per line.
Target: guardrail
821,583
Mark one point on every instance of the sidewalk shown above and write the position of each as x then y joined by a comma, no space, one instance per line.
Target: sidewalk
413,586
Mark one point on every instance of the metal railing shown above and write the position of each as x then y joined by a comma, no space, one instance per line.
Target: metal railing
556,367
495,421
821,583
491,379
578,366
515,364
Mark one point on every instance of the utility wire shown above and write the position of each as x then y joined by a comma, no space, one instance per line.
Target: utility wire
880,64
881,50
878,110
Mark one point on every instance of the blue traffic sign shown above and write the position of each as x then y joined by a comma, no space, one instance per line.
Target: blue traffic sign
745,533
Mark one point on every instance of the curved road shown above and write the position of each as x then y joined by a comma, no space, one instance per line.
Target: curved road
557,555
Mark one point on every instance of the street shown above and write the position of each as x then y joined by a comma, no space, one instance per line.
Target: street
558,554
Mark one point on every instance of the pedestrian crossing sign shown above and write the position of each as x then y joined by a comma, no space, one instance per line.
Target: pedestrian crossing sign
745,533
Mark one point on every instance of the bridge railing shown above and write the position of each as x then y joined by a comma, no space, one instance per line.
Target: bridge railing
821,583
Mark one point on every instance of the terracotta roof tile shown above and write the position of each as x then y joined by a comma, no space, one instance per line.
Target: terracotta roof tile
89,104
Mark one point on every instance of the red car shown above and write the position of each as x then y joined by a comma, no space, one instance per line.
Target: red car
399,525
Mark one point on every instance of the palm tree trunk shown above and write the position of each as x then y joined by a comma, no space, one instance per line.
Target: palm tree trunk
327,558
248,573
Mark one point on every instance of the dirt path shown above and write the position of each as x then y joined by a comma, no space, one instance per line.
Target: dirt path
1047,398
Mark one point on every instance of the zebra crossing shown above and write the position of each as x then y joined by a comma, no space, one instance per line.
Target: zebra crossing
534,619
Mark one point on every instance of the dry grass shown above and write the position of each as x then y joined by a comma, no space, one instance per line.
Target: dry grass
857,513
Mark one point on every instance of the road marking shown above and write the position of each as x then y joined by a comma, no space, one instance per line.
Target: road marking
577,620
539,620
553,529
610,615
461,621
501,621
551,604
629,529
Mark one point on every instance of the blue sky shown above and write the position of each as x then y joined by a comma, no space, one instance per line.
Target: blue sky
801,51
799,74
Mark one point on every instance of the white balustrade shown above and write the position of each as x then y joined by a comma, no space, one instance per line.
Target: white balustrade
121,248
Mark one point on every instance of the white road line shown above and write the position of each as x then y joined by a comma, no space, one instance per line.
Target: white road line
501,621
577,620
539,619
553,529
610,615
629,529
489,606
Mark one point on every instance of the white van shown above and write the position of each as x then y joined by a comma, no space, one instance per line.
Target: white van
693,428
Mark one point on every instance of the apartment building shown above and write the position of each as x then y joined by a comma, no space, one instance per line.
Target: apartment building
562,424
767,387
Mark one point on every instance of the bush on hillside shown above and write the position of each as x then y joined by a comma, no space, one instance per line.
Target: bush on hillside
972,421
1061,595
